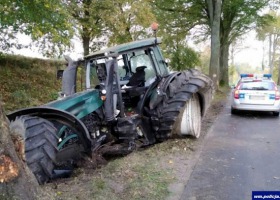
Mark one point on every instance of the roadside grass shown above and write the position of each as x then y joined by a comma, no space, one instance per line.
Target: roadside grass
138,175
26,82
145,174
221,93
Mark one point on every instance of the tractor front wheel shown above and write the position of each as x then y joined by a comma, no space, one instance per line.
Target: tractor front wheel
38,140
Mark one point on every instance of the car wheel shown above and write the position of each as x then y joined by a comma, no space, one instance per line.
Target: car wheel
275,113
233,111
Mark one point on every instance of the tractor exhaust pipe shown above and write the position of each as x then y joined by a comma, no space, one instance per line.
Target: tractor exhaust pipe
109,102
69,77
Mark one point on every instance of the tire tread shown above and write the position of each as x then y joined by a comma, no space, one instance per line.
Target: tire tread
40,145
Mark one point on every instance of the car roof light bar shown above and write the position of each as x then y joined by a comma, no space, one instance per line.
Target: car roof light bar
267,75
246,75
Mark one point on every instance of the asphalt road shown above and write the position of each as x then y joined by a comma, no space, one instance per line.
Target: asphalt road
241,154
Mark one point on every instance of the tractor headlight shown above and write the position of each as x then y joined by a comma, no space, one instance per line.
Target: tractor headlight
103,91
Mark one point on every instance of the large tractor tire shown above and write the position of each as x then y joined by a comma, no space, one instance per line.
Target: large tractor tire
40,145
180,112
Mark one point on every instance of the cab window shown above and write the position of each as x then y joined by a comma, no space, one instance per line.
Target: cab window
140,58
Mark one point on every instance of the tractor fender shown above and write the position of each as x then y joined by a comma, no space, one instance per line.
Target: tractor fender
158,95
189,77
60,116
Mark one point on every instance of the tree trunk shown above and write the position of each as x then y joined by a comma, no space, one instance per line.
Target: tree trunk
86,41
269,55
274,45
263,51
278,80
232,54
224,80
86,32
214,8
16,180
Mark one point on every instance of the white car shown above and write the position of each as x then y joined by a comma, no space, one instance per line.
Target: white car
256,93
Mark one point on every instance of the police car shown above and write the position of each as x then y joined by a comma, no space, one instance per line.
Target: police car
256,93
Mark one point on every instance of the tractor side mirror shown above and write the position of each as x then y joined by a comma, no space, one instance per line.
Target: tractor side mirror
59,74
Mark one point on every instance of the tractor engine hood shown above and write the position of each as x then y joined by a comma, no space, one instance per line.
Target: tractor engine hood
79,104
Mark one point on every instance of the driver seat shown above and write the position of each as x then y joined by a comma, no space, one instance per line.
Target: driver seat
138,78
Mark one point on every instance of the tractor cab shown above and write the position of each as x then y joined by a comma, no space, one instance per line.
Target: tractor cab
126,70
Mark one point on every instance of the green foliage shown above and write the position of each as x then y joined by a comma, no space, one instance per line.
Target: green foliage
184,58
27,82
45,21
20,97
233,75
238,17
205,60
87,18
270,31
130,20
179,17
241,16
100,22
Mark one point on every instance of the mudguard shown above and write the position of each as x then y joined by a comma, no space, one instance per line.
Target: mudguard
205,84
57,115
67,111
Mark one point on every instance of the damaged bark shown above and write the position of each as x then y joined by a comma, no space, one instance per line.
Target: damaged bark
16,180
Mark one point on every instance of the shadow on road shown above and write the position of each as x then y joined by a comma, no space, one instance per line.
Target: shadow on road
254,114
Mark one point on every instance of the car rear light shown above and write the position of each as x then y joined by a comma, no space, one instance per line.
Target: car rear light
277,95
236,94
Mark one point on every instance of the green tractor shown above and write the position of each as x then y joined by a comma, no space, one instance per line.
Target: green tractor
130,100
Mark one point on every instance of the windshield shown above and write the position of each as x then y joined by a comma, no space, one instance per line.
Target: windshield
257,85
127,65
140,58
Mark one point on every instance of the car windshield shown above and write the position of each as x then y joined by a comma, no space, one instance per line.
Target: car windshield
261,85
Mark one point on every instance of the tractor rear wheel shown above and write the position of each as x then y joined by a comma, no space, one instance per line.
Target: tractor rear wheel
180,113
181,116
39,142
189,119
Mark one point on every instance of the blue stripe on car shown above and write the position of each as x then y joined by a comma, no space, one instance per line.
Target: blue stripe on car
272,96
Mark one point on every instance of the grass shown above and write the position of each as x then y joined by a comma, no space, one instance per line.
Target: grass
27,82
145,174
130,177
133,177
221,93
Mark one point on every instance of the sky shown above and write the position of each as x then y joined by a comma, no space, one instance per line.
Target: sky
249,50
26,40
